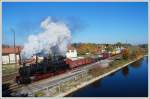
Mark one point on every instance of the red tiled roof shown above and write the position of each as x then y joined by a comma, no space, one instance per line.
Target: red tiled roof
11,50
69,47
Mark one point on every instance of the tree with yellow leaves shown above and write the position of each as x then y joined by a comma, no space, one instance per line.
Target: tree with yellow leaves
125,53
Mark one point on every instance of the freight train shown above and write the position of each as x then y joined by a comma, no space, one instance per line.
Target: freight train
48,67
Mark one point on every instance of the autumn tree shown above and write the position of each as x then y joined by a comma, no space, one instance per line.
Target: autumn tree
136,53
139,52
125,53
109,48
83,48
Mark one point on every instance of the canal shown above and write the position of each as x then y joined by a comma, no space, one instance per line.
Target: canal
131,81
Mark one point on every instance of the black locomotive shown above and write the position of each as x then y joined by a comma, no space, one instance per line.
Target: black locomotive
27,74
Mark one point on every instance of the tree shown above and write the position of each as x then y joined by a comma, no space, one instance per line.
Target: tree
136,53
125,54
118,44
108,48
143,45
133,55
5,46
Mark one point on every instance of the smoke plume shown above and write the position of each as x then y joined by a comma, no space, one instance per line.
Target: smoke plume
53,39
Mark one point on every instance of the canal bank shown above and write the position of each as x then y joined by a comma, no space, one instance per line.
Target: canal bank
96,78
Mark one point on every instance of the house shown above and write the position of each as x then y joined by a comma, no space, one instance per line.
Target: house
117,50
10,55
103,49
99,50
71,53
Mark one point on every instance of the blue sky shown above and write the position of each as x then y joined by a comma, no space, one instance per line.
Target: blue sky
89,22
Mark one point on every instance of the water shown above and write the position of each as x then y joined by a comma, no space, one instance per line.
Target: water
131,81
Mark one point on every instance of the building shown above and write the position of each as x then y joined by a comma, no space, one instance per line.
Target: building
103,49
71,53
119,49
11,55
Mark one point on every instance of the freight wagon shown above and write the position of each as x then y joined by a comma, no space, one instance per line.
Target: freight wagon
76,62
105,55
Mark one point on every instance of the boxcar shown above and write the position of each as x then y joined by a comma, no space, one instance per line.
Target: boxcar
76,62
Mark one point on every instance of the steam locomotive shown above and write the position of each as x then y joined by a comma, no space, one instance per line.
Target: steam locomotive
50,67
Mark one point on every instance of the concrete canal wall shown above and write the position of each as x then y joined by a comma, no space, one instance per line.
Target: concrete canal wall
94,79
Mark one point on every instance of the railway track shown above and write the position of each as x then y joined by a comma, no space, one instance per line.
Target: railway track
9,78
15,87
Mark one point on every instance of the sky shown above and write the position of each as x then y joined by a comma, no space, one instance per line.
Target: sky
103,22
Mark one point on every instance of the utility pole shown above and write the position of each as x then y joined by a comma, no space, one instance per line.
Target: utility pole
14,45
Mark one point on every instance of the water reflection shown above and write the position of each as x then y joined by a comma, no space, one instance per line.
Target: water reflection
125,71
136,64
69,95
112,74
146,60
97,83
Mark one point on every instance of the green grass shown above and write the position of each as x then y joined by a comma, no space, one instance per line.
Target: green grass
9,69
39,94
117,63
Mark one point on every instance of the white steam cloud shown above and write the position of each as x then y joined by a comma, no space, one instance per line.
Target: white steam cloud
53,39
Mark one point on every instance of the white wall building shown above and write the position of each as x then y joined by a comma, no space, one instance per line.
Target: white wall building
118,50
71,53
8,55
